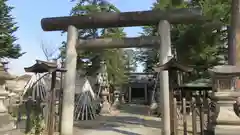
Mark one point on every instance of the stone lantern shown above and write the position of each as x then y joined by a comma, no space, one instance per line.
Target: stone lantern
104,86
6,119
105,105
116,103
4,64
15,86
123,97
224,119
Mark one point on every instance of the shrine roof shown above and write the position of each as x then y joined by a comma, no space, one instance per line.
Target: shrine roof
199,84
225,70
43,66
172,64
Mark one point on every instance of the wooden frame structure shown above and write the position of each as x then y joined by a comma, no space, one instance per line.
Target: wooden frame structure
125,19
172,66
52,68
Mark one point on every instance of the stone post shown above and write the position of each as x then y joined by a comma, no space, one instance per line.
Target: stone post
129,94
116,103
105,105
69,82
165,52
225,120
123,96
145,93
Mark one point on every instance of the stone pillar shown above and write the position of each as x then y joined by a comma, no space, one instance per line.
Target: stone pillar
123,98
129,94
123,92
69,82
145,94
105,105
153,103
116,103
165,52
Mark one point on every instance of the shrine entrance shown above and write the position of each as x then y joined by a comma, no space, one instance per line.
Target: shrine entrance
71,24
138,93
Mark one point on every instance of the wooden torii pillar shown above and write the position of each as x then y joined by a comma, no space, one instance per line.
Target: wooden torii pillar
171,66
113,19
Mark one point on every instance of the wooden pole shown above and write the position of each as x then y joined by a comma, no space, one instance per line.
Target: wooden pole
102,43
60,100
171,97
123,19
52,105
234,37
234,33
165,52
69,80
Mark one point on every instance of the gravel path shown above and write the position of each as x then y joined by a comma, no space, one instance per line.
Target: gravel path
130,121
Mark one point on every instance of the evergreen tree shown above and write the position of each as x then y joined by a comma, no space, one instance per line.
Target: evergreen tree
8,48
90,60
130,60
201,45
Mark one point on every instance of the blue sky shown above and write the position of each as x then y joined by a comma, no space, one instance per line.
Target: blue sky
28,14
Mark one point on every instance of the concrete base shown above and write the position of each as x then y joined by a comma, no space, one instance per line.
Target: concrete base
6,123
227,130
123,99
227,115
105,108
116,104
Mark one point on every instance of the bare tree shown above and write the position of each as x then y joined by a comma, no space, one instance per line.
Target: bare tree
49,51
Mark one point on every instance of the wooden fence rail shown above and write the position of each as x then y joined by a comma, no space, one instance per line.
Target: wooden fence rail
192,114
30,115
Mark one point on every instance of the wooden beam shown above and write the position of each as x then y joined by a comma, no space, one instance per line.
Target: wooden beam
52,108
124,19
103,43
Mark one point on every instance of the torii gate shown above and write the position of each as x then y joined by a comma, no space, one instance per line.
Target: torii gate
126,19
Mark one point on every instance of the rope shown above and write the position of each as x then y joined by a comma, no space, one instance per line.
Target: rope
37,86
